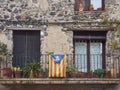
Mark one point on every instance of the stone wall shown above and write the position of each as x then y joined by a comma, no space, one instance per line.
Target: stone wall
57,41
35,13
16,13
112,7
59,87
113,37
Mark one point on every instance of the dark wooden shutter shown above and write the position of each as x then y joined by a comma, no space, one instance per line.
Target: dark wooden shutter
19,48
33,47
26,47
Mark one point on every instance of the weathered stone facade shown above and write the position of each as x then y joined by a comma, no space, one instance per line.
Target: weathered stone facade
58,16
20,14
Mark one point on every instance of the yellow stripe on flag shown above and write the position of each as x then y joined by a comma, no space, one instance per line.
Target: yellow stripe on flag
61,68
57,69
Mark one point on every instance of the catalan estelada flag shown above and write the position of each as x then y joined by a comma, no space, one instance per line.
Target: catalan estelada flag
57,65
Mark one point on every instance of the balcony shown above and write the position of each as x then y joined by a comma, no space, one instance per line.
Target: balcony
76,64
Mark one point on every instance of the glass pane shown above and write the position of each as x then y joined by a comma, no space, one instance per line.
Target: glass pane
96,4
95,55
81,56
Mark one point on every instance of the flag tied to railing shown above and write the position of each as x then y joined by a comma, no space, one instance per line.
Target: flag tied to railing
57,65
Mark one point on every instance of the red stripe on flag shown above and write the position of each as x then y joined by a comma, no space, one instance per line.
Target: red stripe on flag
59,69
51,66
54,69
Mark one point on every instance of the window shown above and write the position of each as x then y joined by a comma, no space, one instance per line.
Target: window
96,4
86,4
89,49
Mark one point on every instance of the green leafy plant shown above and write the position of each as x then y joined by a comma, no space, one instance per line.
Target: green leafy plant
4,55
40,70
99,72
3,49
32,69
73,69
46,72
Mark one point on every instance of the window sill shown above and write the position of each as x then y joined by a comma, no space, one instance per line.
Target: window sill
60,81
89,15
88,11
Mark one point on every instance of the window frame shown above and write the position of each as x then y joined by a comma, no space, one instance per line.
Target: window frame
87,5
88,36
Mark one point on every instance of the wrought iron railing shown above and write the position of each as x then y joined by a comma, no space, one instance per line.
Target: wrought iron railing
80,64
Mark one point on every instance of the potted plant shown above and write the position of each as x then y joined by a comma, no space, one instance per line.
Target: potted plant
91,8
6,71
46,72
3,49
108,74
74,71
83,74
40,73
99,73
81,7
17,72
118,75
68,72
90,74
31,70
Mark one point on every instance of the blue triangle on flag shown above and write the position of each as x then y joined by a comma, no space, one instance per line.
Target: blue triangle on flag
57,57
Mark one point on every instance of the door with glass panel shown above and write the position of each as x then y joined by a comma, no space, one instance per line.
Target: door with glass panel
81,56
88,55
95,55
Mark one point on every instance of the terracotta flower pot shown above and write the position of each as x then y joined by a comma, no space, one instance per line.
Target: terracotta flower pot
89,75
6,73
74,75
18,74
108,74
83,75
99,9
97,76
32,74
40,75
91,9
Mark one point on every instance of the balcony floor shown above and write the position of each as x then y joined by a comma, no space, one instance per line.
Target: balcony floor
46,81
